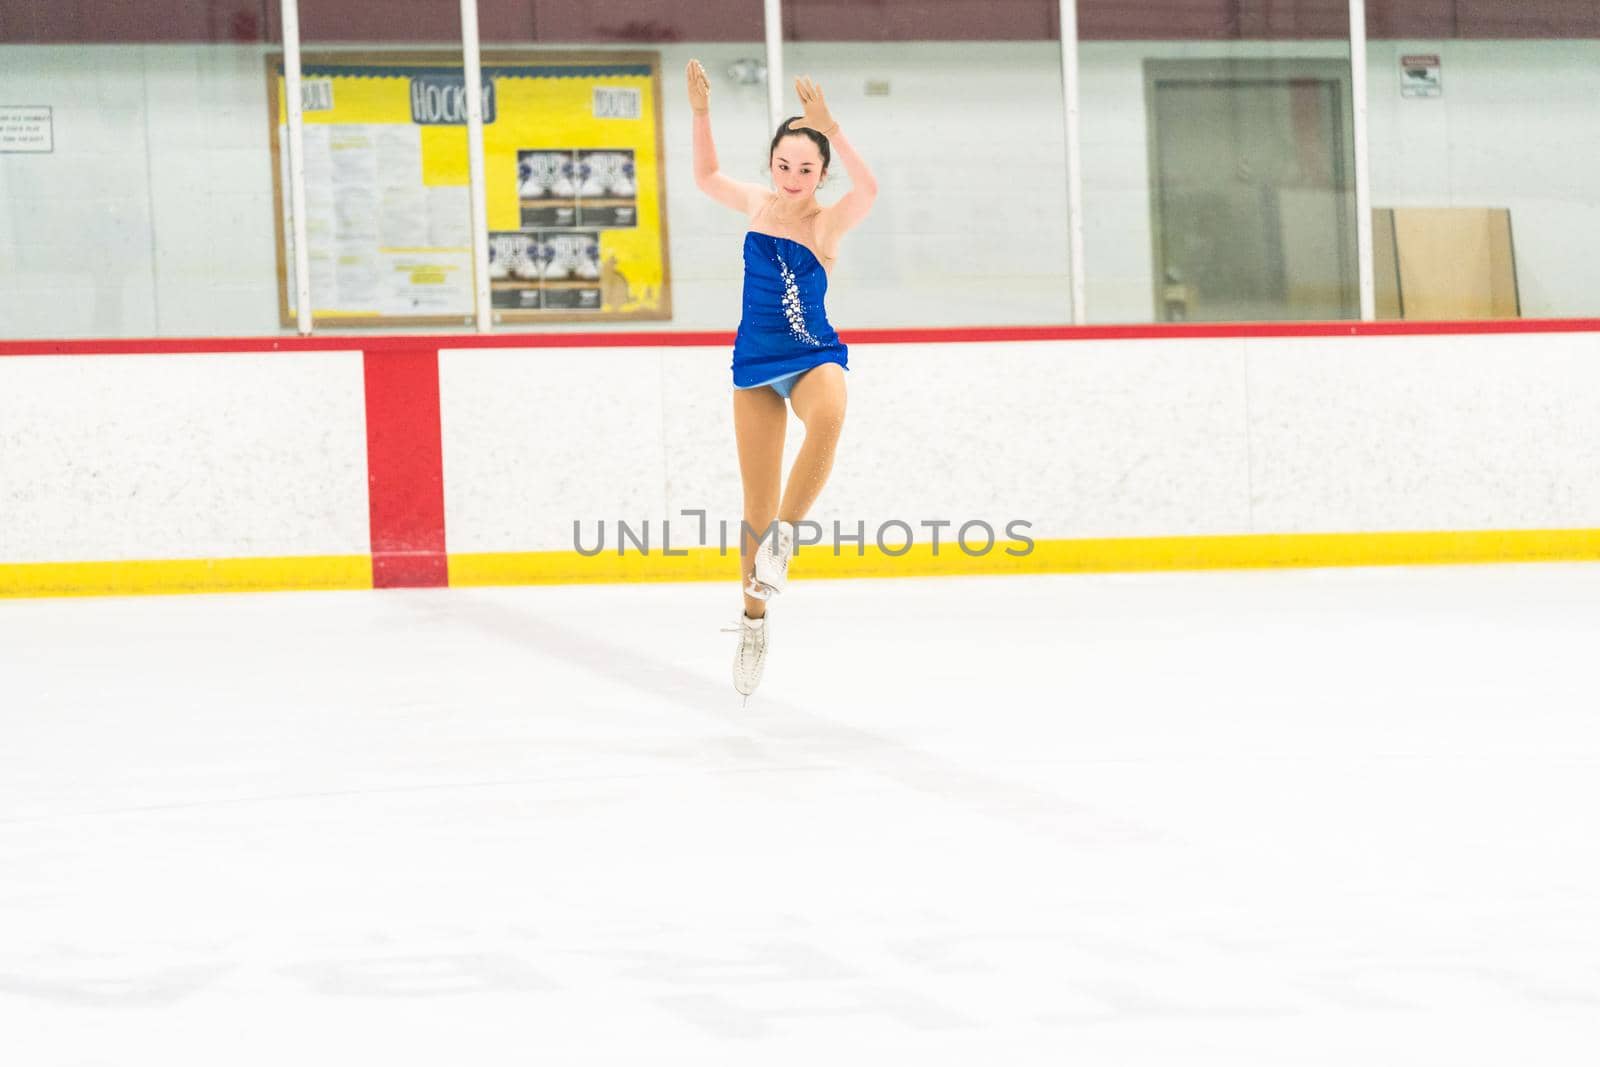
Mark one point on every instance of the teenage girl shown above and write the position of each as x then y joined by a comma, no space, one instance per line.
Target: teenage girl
785,347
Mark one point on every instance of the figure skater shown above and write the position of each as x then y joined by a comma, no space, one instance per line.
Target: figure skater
785,347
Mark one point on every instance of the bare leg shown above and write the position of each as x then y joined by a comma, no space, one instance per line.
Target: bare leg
760,420
819,400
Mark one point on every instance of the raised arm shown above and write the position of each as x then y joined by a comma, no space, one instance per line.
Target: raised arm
854,205
743,197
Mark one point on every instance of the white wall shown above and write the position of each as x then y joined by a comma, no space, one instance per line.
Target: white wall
1117,230
1518,126
154,215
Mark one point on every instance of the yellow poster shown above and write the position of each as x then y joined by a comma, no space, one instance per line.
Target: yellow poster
573,188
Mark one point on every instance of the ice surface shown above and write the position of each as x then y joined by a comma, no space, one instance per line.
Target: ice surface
1292,817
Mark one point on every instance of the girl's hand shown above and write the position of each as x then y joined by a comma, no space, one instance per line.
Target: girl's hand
817,116
699,88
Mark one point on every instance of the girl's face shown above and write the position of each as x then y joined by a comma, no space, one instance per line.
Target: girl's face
796,167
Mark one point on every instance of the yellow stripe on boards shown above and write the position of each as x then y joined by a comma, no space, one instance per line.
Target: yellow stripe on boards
1233,551
1246,551
136,577
572,568
1220,552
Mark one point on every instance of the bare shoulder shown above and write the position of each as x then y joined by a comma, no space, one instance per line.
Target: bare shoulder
757,202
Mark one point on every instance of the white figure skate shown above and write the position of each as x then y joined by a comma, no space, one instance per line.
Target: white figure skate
622,180
556,258
751,656
591,177
526,269
589,262
564,186
772,562
530,184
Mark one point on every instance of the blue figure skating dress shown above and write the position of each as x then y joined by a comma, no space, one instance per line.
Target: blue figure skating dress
784,330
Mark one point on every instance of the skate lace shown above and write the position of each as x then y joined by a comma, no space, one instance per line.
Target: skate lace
780,550
752,640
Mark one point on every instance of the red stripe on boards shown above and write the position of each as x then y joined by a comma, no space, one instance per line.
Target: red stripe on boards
405,467
335,342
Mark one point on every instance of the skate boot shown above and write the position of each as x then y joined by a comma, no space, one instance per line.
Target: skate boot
622,182
591,177
751,655
589,262
564,186
772,562
528,184
526,268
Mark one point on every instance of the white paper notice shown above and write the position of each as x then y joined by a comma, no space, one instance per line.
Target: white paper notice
353,150
449,216
404,221
324,280
400,156
27,128
357,279
380,240
434,283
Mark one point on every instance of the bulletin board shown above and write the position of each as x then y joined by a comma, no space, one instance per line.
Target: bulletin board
574,186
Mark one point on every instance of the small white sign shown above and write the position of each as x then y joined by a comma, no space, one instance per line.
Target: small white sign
26,128
316,94
616,102
1419,76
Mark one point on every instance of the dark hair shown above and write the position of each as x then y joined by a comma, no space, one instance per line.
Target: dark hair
816,138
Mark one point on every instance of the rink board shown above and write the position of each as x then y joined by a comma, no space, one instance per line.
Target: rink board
205,470
176,466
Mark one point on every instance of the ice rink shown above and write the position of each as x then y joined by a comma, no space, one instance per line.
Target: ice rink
1346,817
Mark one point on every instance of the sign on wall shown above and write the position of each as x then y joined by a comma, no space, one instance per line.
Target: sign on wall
1420,76
26,128
573,183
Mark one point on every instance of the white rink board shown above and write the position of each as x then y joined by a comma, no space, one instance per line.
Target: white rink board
135,457
1425,433
535,438
227,455
1106,438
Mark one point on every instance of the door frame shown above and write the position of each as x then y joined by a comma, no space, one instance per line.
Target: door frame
1250,69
